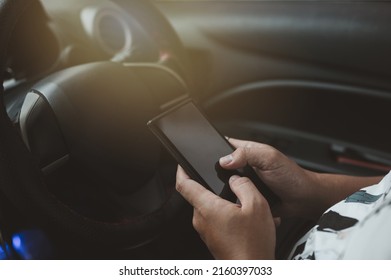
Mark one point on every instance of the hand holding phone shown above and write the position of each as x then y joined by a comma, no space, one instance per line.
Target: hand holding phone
197,146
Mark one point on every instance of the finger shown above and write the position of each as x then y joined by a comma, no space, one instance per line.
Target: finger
277,221
239,143
254,154
194,193
181,173
246,192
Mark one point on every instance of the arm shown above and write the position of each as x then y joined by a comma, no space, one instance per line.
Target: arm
332,188
303,193
247,231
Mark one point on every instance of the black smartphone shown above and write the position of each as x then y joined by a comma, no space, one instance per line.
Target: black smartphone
197,146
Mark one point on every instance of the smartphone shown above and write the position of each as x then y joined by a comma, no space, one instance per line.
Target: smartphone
197,146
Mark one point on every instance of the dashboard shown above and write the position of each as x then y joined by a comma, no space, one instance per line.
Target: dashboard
72,34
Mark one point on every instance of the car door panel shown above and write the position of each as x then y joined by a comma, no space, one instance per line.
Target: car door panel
318,68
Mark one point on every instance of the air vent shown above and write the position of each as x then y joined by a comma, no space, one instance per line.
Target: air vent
108,26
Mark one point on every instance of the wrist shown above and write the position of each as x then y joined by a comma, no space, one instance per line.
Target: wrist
317,198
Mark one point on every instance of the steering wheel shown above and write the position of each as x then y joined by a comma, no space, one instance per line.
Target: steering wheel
84,135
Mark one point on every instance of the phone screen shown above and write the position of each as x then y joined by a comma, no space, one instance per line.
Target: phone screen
198,146
198,142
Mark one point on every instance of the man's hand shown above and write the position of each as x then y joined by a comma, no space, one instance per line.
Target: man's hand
284,177
231,231
303,193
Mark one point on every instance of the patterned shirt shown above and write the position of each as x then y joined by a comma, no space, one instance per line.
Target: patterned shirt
358,227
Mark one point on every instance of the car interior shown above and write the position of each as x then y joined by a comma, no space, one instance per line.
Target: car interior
81,175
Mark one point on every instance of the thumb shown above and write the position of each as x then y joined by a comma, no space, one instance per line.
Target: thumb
254,154
246,192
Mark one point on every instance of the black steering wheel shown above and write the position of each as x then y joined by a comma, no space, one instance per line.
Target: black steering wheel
87,167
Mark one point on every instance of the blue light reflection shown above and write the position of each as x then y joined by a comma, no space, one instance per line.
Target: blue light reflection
4,252
16,242
32,245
